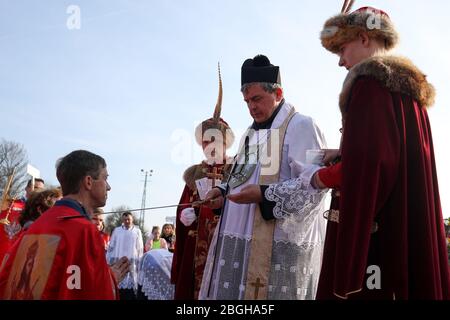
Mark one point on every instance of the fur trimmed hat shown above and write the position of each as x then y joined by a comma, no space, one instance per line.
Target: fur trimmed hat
216,122
346,27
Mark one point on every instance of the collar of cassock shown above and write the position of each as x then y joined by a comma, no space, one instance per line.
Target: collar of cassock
268,123
75,205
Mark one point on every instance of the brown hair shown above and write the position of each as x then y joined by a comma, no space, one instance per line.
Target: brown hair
167,225
155,228
71,169
39,202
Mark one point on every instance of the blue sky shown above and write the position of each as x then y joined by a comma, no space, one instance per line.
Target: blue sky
139,75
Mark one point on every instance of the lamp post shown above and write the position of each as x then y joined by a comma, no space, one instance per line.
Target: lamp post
144,197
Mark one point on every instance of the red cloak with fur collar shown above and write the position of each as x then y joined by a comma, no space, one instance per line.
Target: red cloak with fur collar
192,242
389,184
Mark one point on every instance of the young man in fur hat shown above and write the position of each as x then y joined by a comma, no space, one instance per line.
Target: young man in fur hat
263,248
195,225
385,236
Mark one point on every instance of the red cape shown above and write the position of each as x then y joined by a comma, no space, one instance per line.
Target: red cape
388,178
58,259
191,249
183,257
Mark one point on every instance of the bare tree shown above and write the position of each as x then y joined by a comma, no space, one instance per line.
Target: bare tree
13,155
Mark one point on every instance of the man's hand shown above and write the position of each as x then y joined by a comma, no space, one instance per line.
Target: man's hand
214,199
316,182
248,194
330,155
120,269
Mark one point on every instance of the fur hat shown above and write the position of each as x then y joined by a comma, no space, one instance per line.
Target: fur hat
346,27
216,122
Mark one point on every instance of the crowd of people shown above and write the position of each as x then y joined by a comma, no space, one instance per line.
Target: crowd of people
254,226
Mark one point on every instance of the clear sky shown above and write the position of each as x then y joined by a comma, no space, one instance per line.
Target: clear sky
138,75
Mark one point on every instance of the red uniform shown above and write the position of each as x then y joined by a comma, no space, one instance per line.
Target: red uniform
61,256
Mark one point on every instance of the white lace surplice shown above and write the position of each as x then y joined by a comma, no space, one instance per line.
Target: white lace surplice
154,275
299,230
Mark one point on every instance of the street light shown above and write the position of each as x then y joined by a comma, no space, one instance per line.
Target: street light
144,197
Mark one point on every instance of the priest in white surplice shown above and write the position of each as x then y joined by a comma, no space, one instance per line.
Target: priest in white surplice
126,241
271,249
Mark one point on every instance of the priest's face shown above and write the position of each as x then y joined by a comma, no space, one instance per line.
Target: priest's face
261,103
100,188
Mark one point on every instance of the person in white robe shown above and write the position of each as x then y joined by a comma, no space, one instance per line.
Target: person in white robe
126,241
285,229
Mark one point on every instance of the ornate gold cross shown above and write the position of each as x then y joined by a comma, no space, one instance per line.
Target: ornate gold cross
214,175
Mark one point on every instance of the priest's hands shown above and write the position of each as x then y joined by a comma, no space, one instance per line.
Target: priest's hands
330,155
120,269
249,194
214,199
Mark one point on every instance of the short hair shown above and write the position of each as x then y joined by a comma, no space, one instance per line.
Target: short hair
266,86
127,213
71,169
155,228
35,180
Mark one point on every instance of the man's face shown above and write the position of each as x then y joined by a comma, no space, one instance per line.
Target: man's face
353,52
100,188
38,185
127,221
261,104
